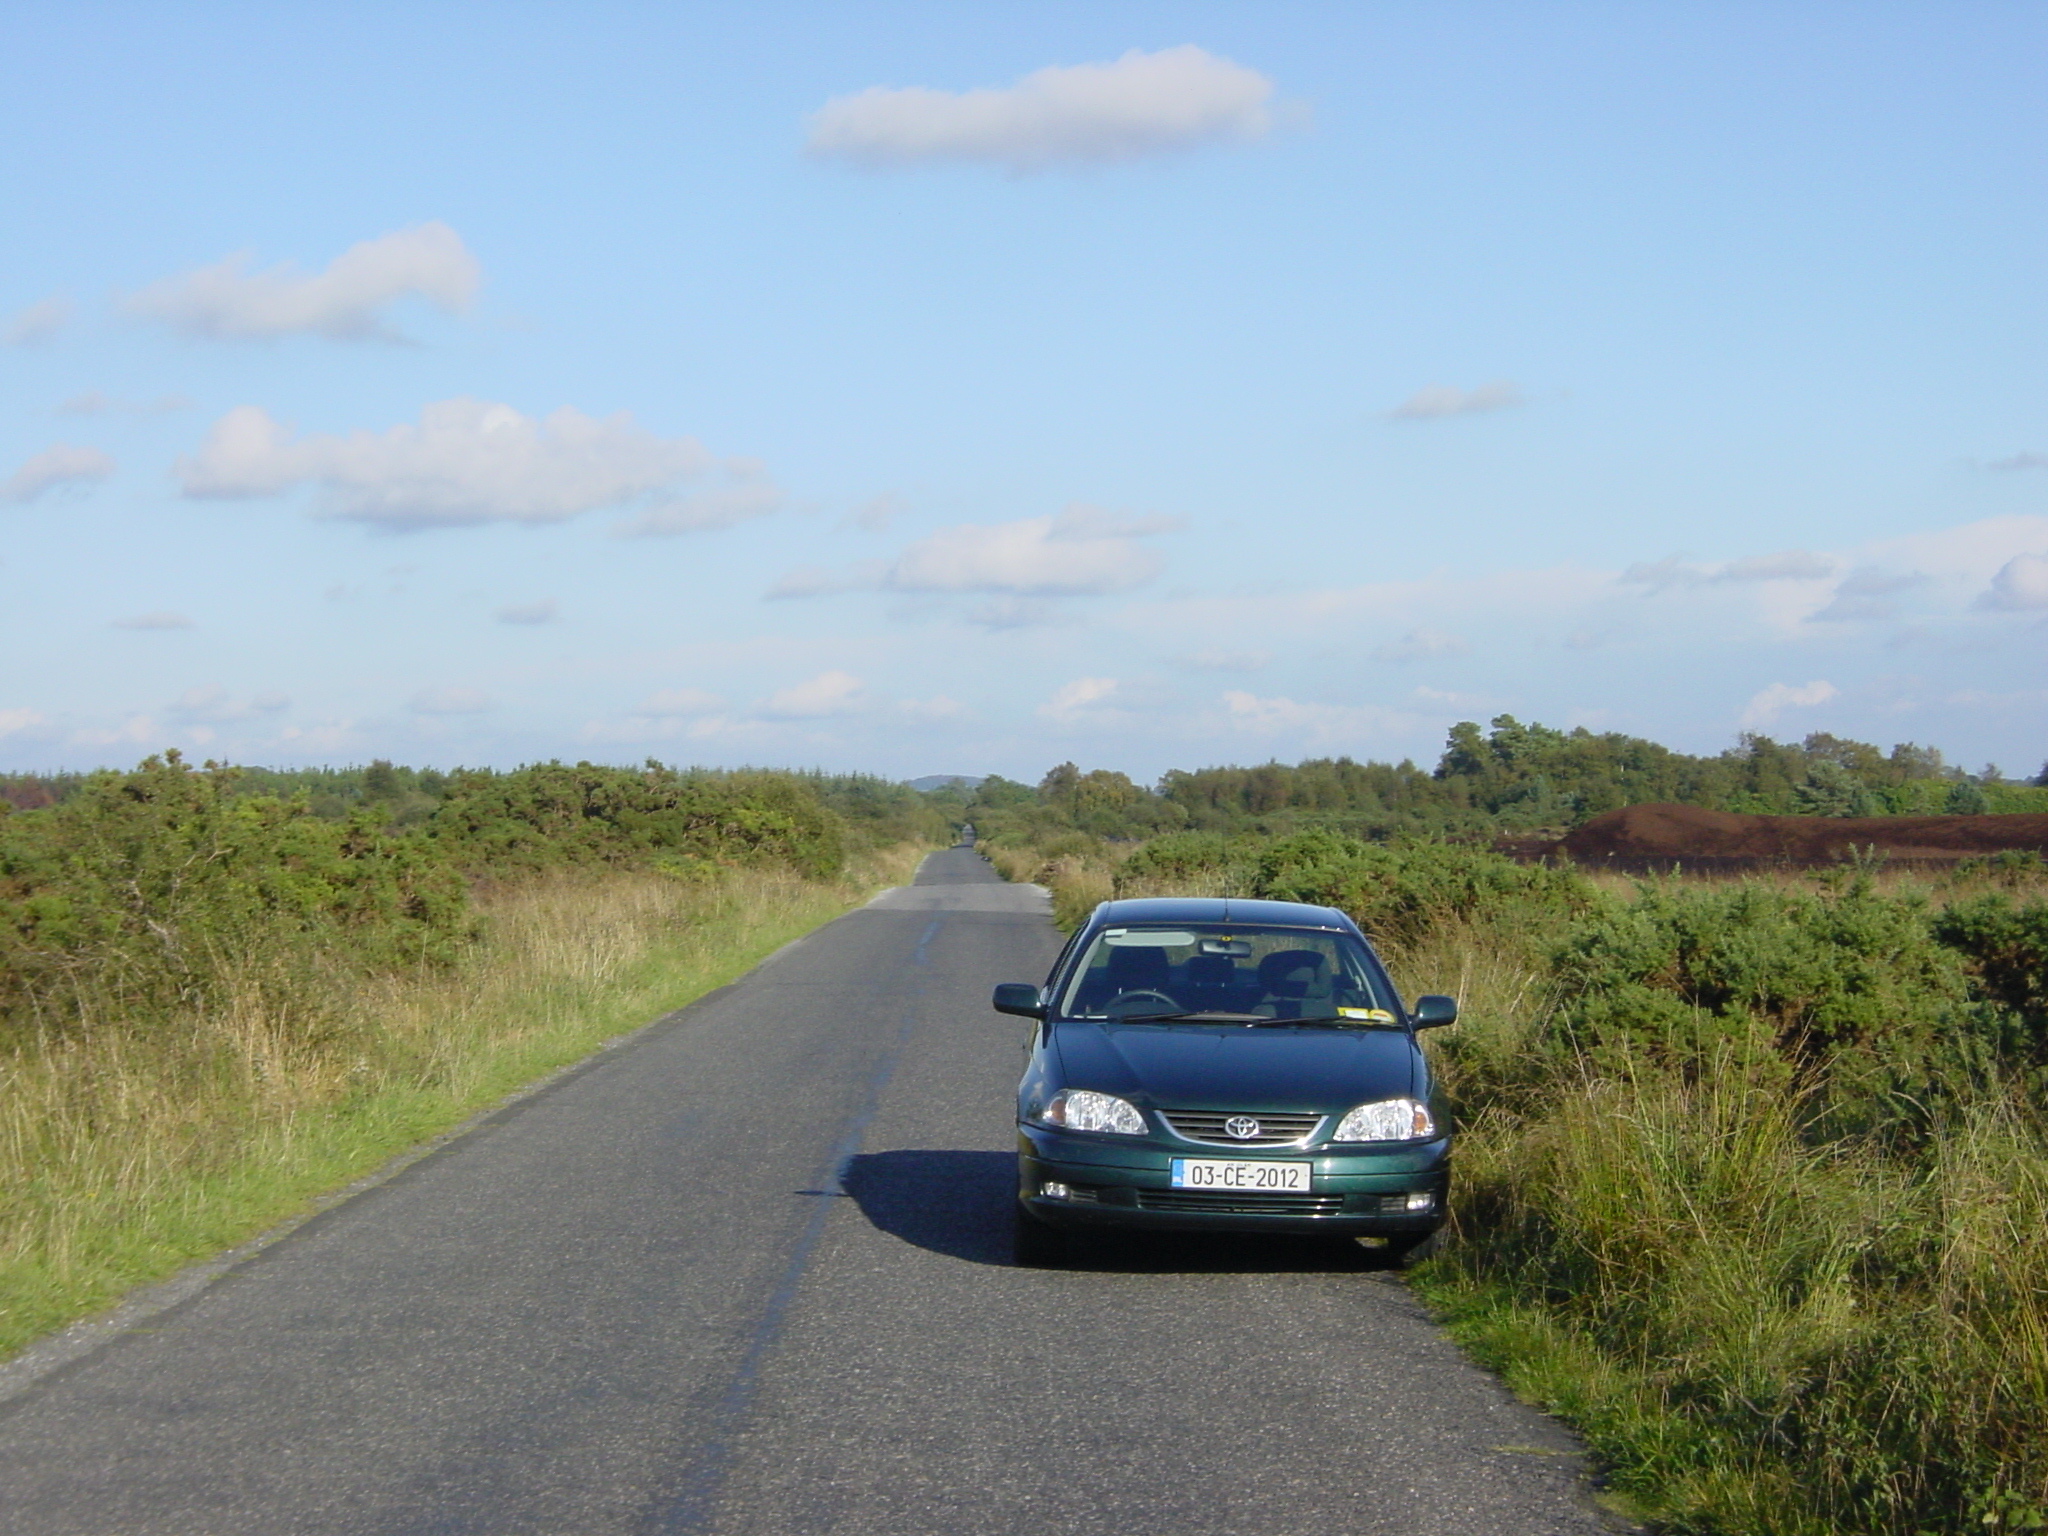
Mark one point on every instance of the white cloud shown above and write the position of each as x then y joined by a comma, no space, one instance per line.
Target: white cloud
541,612
1779,697
1082,550
1075,699
345,302
2020,461
39,323
214,706
675,702
829,693
1421,645
720,507
466,462
326,740
875,514
1012,613
1215,659
160,619
1433,402
59,464
1468,702
450,701
1355,728
2021,584
21,722
1786,565
135,730
1866,594
1082,114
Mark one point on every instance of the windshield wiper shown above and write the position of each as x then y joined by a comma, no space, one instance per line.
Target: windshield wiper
1201,1015
1335,1018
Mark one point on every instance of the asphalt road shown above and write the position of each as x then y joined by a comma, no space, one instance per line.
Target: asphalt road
749,1273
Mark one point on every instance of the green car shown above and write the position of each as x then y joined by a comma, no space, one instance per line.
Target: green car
1219,1065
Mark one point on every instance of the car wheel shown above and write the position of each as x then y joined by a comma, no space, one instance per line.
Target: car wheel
1411,1248
1033,1244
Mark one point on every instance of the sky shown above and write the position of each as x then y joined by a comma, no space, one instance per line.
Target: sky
921,389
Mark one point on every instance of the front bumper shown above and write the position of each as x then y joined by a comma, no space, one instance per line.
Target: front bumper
1128,1184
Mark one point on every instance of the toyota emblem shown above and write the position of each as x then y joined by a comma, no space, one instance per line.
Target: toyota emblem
1243,1127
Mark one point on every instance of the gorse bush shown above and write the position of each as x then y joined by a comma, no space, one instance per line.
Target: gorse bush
1847,994
160,890
551,816
1397,893
140,896
2005,945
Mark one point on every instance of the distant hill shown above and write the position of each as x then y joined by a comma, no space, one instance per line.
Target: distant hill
932,781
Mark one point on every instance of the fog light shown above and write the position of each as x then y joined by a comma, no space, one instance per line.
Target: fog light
1420,1199
1052,1189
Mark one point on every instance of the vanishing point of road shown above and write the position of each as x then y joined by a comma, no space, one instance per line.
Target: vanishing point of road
749,1272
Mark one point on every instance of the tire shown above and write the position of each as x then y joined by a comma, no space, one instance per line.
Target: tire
1033,1244
1411,1248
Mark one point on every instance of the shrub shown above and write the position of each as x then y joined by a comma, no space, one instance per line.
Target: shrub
552,815
1398,892
158,889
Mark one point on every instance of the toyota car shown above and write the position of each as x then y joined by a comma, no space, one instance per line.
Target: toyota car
1221,1065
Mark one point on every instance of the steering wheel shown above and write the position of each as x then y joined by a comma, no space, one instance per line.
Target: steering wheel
1142,995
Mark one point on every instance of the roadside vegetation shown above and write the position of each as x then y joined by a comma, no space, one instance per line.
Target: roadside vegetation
217,1002
1753,1170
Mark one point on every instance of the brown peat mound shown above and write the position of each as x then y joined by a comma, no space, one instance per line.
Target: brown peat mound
1655,836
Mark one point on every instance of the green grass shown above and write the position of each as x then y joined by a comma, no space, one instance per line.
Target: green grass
127,1153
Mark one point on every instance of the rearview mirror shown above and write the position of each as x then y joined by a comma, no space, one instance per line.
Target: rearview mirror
1434,1010
1020,998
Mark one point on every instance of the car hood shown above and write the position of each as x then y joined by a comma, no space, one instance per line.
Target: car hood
1212,1066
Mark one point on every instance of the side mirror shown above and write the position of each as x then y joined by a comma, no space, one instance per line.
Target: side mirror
1434,1010
1020,998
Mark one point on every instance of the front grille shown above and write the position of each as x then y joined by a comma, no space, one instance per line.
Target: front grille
1207,1126
1238,1202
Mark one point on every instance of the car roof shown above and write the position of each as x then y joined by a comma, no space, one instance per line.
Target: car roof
1221,909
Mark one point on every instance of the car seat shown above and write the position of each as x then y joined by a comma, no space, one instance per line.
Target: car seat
1128,969
1296,984
1211,983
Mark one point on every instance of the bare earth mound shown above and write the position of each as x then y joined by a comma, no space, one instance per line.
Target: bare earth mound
1639,835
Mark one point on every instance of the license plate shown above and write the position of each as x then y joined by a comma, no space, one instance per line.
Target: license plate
1231,1173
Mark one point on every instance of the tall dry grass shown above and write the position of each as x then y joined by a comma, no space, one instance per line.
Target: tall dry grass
126,1151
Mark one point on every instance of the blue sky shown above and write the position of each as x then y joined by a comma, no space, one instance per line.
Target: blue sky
934,388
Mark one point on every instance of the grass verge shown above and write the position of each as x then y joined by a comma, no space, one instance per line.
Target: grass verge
127,1153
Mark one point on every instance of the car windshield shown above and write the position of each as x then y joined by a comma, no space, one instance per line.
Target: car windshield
1228,974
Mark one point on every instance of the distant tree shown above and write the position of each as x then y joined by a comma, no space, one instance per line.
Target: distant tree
1058,784
1831,789
998,793
1966,798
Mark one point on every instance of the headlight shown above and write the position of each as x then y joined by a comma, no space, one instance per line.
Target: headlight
1082,1109
1388,1120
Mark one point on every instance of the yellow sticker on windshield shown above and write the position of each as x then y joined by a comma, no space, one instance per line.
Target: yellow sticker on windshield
1377,1015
